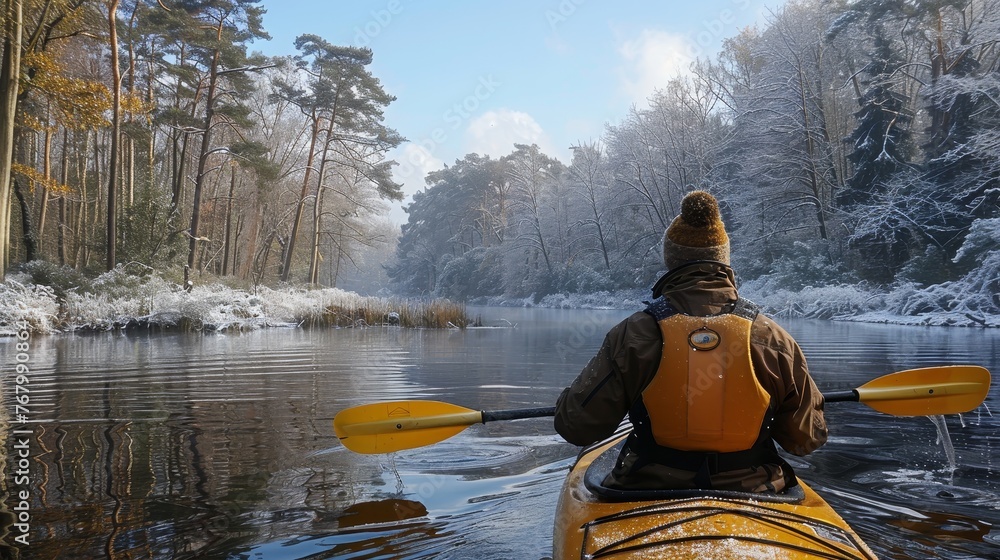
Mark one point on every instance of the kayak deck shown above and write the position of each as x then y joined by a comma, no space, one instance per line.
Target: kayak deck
700,528
588,526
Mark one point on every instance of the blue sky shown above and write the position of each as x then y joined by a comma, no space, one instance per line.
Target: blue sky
479,76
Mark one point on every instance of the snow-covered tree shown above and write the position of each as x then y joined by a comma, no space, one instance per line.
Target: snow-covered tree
882,148
882,140
591,181
533,242
783,160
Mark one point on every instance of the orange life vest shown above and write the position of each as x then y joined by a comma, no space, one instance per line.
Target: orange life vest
705,398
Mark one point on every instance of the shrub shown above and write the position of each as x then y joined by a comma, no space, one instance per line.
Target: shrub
931,266
62,279
35,305
804,265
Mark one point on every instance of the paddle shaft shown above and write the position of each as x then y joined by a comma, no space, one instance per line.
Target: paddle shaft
517,414
842,396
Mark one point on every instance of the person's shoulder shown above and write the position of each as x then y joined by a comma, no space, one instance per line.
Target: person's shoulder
640,324
641,317
768,322
770,333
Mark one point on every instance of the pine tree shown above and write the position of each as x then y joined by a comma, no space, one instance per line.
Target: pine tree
882,139
960,171
344,104
882,144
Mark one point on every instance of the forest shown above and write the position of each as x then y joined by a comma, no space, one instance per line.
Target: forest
147,134
853,145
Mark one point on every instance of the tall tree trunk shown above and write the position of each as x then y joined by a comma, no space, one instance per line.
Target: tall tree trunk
318,208
46,194
206,258
116,124
10,71
240,226
30,238
229,223
940,116
316,236
178,153
81,228
203,155
290,247
130,168
64,179
133,88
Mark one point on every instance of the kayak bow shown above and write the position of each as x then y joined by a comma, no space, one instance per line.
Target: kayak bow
694,524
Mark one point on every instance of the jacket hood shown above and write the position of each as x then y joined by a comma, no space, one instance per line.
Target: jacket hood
698,288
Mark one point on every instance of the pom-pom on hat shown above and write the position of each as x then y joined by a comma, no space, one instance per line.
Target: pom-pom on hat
697,234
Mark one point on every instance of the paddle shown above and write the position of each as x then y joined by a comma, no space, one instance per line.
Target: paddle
925,391
392,426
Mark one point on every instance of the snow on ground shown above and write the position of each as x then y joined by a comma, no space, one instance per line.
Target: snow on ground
26,307
117,300
950,304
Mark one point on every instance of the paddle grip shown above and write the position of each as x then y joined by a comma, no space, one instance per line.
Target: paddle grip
517,414
842,396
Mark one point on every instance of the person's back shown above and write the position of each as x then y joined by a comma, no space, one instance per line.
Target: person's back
708,382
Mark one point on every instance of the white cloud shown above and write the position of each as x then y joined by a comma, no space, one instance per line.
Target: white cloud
651,60
415,162
495,133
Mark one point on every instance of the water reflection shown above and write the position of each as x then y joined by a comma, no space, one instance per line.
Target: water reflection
381,511
221,446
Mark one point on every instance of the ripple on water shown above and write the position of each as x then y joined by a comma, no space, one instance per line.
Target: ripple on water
460,458
850,441
924,487
467,454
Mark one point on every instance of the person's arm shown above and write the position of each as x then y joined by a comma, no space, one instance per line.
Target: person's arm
593,406
799,427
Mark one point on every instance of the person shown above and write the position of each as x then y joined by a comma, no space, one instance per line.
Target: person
708,382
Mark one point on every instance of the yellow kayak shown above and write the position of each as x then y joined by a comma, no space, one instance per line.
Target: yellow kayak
693,524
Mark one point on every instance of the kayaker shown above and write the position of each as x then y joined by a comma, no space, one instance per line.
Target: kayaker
709,383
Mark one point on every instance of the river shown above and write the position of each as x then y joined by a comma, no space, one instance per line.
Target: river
168,445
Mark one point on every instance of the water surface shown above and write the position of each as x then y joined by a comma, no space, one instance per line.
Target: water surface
221,446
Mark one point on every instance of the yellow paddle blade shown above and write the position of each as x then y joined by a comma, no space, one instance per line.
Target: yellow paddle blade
392,426
927,391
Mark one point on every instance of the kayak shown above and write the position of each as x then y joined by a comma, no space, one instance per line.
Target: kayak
593,521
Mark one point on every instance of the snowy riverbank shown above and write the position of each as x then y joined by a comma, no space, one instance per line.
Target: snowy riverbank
939,305
119,300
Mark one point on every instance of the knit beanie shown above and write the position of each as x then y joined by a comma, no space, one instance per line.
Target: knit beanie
698,234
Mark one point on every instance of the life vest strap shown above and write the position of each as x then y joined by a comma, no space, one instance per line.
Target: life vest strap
762,451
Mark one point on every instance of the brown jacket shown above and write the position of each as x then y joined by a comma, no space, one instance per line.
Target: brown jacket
592,407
